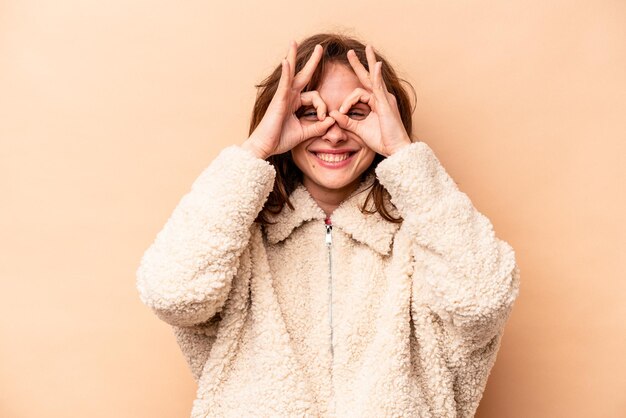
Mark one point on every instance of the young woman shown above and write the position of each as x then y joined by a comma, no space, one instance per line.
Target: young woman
329,265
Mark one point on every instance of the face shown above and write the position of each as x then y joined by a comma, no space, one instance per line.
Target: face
329,172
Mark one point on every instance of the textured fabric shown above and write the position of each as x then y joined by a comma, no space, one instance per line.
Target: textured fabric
417,313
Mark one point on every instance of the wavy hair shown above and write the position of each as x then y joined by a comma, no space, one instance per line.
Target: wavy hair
288,175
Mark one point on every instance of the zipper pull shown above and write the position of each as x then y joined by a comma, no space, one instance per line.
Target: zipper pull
329,227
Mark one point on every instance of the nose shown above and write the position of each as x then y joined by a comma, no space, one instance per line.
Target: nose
335,134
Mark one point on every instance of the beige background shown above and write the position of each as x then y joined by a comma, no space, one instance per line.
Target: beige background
109,110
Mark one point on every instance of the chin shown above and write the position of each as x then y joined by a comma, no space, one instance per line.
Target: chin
335,182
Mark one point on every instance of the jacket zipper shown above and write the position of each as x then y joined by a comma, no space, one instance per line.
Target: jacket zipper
329,243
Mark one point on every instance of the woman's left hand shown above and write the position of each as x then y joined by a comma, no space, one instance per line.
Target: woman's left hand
382,130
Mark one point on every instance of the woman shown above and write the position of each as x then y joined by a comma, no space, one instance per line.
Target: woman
329,265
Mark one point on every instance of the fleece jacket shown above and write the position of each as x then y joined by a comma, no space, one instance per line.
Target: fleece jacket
350,316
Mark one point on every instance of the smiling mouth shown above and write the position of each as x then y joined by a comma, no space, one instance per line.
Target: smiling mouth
333,158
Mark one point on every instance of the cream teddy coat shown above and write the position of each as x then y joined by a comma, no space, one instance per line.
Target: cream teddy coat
358,318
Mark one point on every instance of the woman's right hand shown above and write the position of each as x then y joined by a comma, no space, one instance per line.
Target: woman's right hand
280,130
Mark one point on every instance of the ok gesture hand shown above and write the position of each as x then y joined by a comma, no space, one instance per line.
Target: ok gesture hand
280,130
382,130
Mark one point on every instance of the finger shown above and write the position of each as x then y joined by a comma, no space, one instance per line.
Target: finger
379,77
371,59
282,90
313,98
318,128
345,122
393,102
304,75
359,69
291,57
380,93
357,95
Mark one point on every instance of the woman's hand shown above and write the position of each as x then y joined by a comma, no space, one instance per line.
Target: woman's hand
280,130
382,130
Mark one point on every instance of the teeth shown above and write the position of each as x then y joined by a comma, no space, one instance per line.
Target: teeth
332,158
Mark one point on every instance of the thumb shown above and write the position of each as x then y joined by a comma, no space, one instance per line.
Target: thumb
344,121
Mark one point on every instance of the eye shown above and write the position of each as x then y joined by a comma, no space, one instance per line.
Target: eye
358,113
308,114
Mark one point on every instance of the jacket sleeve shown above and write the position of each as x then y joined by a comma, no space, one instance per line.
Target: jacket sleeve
461,270
195,343
186,273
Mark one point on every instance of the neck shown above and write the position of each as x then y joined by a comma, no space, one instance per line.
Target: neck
329,199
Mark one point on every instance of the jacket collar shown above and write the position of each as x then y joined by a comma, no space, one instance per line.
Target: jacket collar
370,229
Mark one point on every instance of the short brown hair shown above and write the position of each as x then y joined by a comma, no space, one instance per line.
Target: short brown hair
288,175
